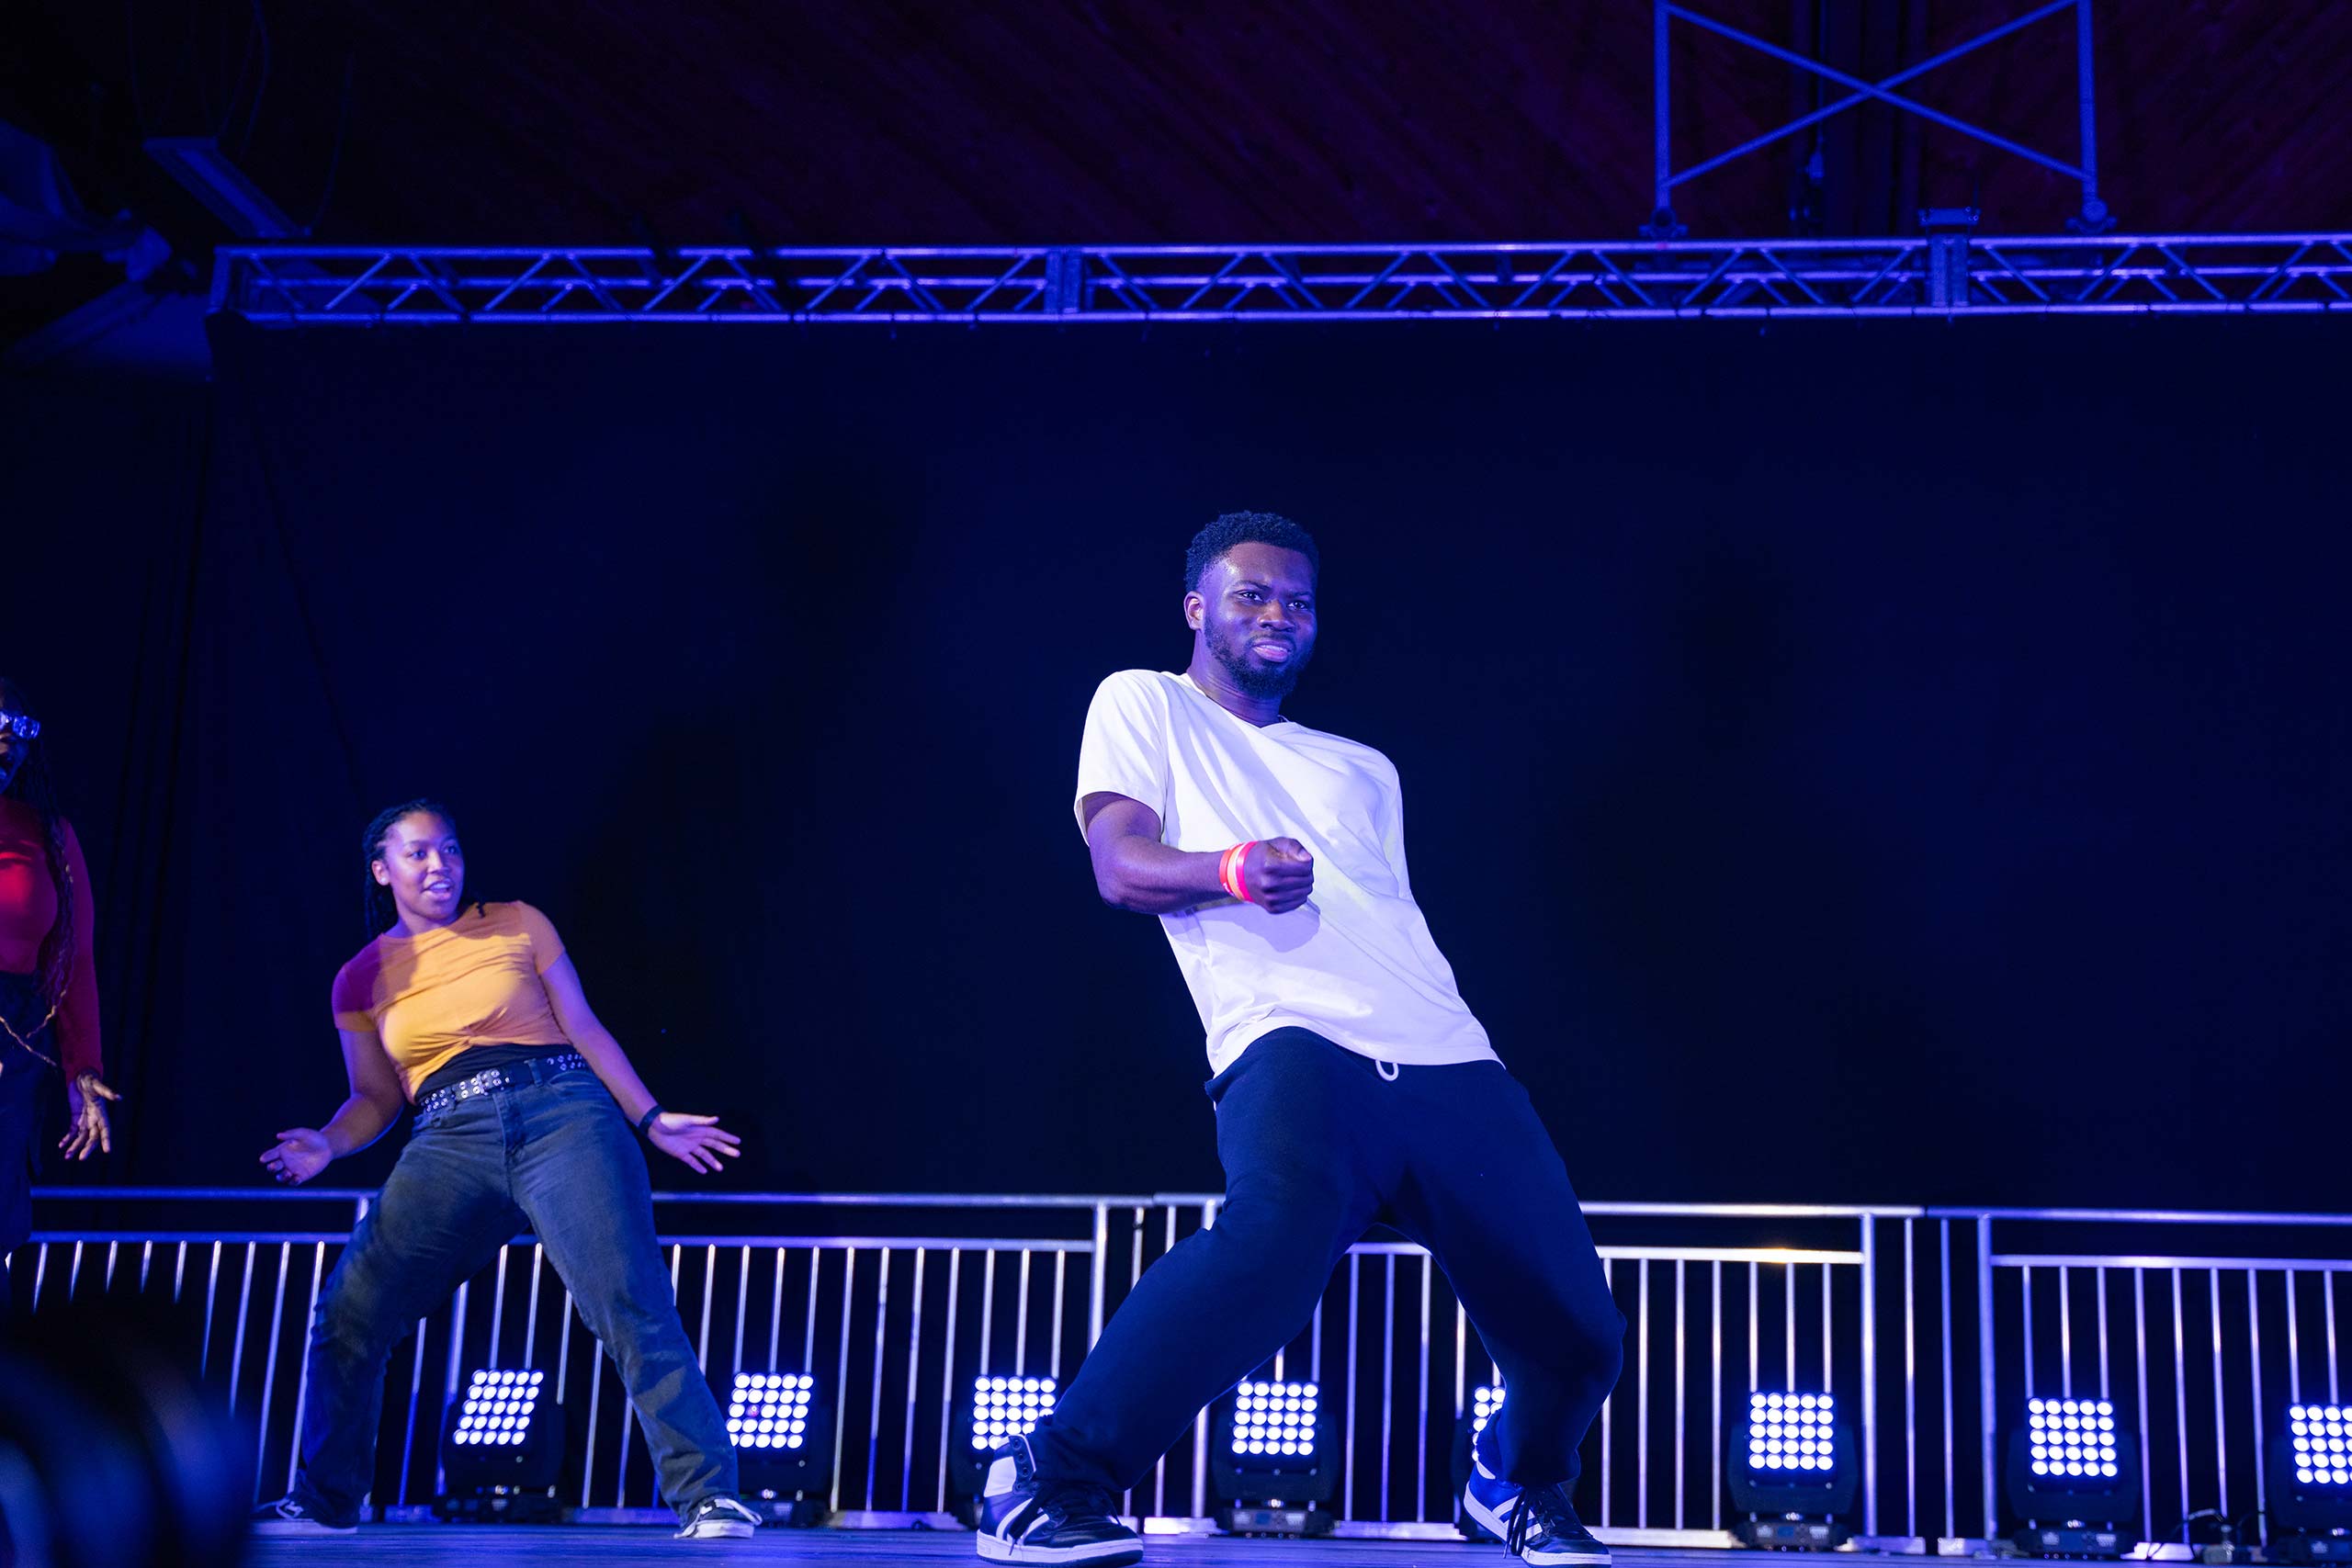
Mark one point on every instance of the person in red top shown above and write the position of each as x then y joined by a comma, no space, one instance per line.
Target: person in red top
49,987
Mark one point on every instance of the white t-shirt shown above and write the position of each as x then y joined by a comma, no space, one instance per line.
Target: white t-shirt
1355,963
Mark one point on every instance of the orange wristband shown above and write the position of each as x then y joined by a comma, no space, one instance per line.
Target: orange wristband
1228,873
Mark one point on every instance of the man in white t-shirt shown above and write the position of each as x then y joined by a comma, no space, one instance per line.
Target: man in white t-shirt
1352,1086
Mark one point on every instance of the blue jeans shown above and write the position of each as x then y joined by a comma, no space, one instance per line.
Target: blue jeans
560,1157
1318,1146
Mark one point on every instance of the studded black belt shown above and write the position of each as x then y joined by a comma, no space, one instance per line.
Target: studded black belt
514,1075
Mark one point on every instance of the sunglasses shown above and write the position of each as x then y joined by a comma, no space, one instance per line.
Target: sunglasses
21,724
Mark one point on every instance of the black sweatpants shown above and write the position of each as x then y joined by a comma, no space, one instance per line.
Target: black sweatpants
1318,1146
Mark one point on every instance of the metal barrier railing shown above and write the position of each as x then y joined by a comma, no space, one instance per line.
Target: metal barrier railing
1928,1325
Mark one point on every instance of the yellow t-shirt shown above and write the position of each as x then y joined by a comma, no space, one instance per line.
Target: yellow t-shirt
473,982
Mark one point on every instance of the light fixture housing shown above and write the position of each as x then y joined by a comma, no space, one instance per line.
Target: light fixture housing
2073,1480
501,1446
992,1411
1790,1467
784,1444
1272,1460
2310,1459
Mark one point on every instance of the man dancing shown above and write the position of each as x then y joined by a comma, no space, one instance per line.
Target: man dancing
1351,1085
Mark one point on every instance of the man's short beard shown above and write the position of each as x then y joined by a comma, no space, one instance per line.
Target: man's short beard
1252,678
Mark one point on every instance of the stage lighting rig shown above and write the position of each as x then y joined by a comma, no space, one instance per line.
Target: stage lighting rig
2311,1486
1486,1404
2073,1479
783,1462
502,1445
1792,1472
998,1410
1272,1461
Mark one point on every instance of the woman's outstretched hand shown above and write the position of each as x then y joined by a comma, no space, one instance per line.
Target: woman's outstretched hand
86,1099
302,1153
696,1140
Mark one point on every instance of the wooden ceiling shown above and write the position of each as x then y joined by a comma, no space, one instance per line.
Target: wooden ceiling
697,121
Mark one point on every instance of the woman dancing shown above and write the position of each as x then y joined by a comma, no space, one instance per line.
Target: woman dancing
49,987
523,1107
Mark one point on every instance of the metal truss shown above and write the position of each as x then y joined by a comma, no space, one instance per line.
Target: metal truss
2093,216
1941,275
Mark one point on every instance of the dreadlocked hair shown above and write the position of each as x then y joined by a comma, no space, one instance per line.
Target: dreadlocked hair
34,785
377,907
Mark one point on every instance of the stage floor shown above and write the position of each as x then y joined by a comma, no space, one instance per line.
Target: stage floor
424,1545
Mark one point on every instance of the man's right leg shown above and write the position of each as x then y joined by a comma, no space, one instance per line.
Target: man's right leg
441,1216
1300,1189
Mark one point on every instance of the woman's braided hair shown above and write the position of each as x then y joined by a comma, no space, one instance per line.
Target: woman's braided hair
376,907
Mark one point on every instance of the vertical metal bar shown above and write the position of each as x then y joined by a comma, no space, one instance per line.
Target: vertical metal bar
146,1260
1642,1407
2103,1392
2065,1334
1985,1366
1608,1405
1096,1283
2220,1425
1910,1384
709,1289
2294,1344
1754,1315
2086,101
775,1310
179,1272
40,1272
1061,1289
1715,1382
1788,1305
1662,89
2180,1387
563,1348
742,1307
947,1372
497,1310
1421,1471
269,1361
1828,1358
914,1365
74,1273
1461,1355
1348,1462
2328,1298
302,1381
211,1299
1681,1362
988,1306
809,1317
1201,1421
840,1369
2254,1358
2140,1335
873,1411
2025,1286
415,1398
1135,1277
1315,1343
595,1397
1021,1321
1387,1383
531,1312
1870,1369
1944,1329
107,1285
245,1306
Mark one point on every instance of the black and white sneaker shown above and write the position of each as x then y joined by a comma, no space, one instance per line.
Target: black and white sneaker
717,1518
287,1517
1536,1524
1020,1524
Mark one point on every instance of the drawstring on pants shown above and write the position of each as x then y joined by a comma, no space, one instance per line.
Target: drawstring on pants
1388,1070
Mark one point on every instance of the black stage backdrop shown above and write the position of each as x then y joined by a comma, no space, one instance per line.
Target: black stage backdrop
1893,761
